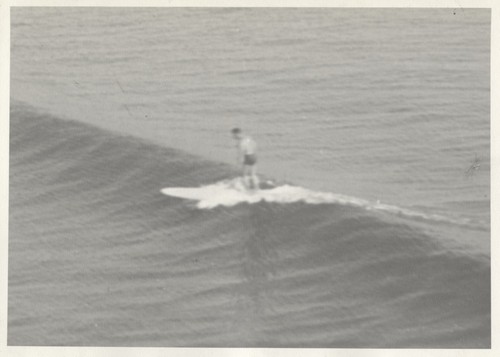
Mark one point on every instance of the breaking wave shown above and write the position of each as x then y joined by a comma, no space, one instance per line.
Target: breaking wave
94,246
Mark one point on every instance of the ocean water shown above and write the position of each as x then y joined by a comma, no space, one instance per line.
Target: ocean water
382,113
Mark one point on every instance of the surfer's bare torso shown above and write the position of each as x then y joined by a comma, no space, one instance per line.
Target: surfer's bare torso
248,149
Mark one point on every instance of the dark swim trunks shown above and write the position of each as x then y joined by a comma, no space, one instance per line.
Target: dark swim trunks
250,159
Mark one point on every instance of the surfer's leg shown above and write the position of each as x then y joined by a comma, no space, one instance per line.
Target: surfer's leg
253,176
246,176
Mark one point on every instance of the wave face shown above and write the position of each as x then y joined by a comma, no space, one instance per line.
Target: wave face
99,257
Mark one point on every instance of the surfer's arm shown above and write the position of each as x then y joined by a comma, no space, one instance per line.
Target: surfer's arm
241,154
241,157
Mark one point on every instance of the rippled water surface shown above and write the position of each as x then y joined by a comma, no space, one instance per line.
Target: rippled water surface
386,107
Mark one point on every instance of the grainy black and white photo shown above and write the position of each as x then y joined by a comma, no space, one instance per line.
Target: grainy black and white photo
249,177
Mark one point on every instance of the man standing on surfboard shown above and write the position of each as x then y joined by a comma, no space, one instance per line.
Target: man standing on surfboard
247,150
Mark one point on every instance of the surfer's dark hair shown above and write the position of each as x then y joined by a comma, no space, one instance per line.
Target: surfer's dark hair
236,131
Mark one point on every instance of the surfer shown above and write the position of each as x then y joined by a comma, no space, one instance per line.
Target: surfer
247,150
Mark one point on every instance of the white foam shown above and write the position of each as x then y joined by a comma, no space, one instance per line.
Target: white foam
229,193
